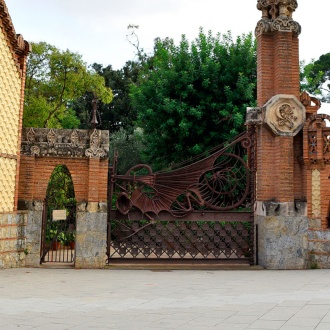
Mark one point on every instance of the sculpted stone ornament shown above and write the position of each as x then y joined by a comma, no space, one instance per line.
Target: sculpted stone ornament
51,137
31,135
285,115
74,138
275,8
253,116
277,16
43,142
286,24
263,26
95,150
35,151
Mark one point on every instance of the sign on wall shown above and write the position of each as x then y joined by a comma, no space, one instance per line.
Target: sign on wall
59,215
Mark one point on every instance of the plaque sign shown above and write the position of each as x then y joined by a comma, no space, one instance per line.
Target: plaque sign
59,215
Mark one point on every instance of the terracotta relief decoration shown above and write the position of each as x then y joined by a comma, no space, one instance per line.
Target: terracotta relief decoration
65,143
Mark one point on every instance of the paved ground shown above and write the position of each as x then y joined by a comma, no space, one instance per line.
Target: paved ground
144,299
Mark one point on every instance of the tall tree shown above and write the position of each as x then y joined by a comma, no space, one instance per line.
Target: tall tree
119,114
54,80
315,77
192,97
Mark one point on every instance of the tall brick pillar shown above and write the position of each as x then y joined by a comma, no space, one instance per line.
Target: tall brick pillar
280,212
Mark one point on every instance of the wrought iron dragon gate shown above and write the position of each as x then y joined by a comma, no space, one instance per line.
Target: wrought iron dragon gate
199,212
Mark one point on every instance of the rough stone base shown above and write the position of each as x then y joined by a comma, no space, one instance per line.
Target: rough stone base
283,241
13,239
91,236
33,233
319,248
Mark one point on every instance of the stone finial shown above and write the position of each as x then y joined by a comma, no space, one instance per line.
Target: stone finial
277,16
311,103
272,9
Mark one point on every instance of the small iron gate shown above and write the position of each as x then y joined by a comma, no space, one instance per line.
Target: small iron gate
199,212
58,235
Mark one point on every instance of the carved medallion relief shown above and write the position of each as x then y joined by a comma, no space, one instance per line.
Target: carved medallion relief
285,115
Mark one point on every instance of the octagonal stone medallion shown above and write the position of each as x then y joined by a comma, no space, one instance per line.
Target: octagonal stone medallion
285,115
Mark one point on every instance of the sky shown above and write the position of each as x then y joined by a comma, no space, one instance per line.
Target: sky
97,29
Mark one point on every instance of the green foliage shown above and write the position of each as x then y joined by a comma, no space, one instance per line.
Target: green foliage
192,97
129,147
315,77
54,79
119,113
52,230
60,190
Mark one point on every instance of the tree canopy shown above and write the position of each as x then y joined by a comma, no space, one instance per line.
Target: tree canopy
54,79
119,114
193,96
315,77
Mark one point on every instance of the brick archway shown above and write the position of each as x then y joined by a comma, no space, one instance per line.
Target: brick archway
85,154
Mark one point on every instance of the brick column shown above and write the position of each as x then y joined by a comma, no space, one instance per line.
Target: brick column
26,187
265,73
282,221
23,60
93,180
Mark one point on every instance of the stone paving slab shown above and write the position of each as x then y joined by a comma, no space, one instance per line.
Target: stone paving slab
44,298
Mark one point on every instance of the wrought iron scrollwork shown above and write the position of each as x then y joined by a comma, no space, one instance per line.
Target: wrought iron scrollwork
220,181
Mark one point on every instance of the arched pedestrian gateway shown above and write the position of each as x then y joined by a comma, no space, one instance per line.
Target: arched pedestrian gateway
84,154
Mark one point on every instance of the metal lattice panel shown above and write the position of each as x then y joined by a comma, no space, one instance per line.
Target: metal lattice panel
181,239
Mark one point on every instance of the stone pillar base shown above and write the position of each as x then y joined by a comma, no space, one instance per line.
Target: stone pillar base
13,239
91,236
33,233
319,248
283,235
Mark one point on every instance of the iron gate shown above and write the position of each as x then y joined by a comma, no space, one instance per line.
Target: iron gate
58,236
199,212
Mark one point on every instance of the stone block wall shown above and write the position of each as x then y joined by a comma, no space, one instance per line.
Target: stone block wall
33,233
13,239
91,235
319,248
283,235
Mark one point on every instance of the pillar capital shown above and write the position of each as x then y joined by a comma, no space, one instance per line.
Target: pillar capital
277,16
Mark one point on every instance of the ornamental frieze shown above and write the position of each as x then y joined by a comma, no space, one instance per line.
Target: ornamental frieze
286,24
43,142
281,24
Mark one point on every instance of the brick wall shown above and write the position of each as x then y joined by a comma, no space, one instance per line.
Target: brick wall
89,176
